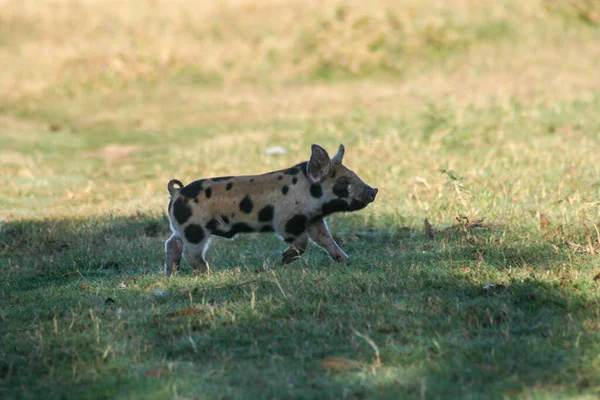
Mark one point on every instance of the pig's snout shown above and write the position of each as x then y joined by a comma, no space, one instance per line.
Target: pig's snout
372,194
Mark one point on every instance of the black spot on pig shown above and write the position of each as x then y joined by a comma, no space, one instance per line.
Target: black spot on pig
266,214
336,205
316,190
192,189
194,233
296,225
239,227
339,205
292,171
212,225
181,211
341,190
302,167
246,205
222,178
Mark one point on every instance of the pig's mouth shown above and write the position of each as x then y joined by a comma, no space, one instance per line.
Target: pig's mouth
366,199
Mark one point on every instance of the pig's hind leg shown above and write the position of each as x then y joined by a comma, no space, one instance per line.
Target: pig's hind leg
173,250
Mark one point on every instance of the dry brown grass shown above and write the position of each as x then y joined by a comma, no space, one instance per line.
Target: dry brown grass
55,43
164,64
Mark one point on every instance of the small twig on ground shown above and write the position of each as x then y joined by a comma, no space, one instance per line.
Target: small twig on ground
72,273
278,284
589,249
462,222
188,311
371,343
597,233
77,272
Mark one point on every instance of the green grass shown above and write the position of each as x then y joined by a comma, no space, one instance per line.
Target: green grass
421,301
483,124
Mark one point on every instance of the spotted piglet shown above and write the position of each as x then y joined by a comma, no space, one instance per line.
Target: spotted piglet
292,203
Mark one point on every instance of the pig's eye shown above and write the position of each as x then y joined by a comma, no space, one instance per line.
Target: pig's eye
344,181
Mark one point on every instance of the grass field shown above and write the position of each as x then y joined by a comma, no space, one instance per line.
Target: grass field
482,117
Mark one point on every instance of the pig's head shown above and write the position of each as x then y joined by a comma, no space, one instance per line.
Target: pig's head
343,190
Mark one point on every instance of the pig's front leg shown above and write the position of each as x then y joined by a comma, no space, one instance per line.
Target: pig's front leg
296,249
319,232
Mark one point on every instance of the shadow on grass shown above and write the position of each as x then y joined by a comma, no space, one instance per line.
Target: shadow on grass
422,303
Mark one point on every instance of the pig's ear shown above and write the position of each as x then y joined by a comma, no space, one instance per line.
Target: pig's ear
319,165
337,159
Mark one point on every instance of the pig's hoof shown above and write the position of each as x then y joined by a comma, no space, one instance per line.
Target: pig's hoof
290,255
201,270
342,260
170,271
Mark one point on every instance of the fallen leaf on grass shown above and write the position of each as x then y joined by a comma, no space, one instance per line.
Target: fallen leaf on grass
340,364
54,127
189,311
83,286
428,229
465,270
597,277
564,282
544,221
